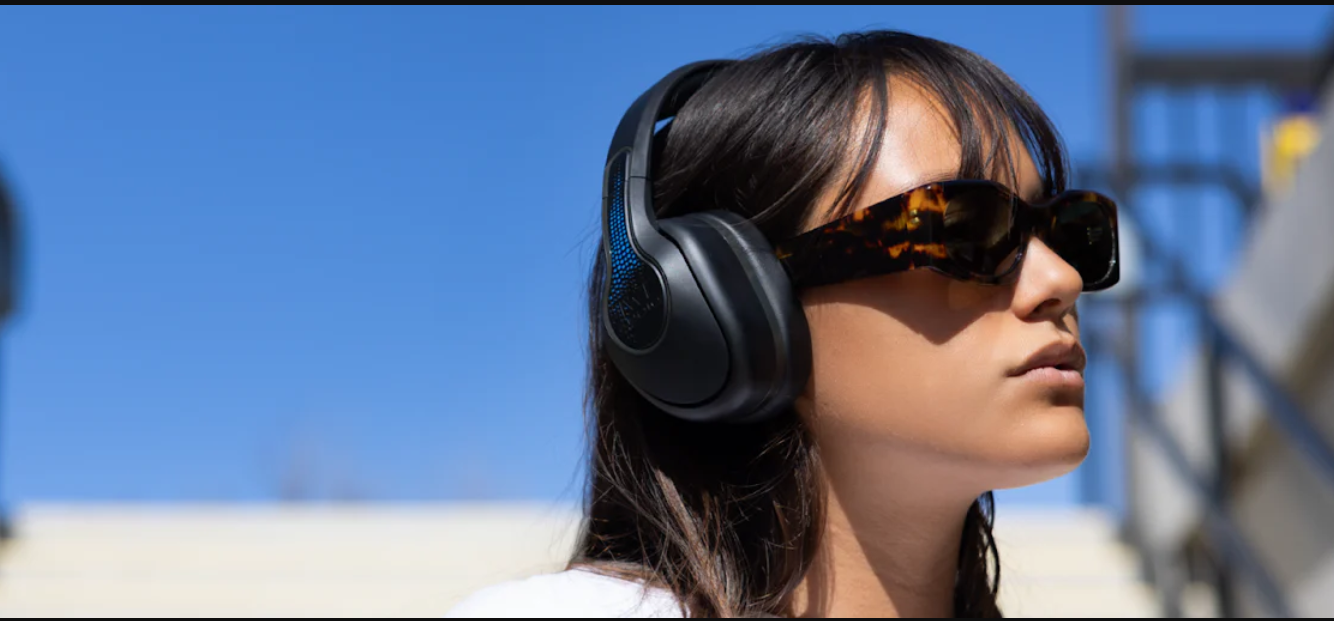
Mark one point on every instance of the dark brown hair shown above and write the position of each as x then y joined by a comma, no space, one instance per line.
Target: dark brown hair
729,518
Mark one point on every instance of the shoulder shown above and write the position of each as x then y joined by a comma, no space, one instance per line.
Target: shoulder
578,593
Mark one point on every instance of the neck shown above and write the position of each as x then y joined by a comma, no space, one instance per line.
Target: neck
890,547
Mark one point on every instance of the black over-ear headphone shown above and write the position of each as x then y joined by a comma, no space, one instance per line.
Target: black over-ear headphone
698,313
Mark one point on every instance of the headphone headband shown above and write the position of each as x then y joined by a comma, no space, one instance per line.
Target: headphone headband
636,130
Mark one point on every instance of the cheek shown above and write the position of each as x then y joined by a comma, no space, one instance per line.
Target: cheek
925,371
921,376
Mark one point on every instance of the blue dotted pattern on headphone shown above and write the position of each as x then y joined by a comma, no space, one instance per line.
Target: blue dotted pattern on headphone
635,302
625,264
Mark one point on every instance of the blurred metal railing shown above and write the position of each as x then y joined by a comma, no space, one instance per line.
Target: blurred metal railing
1125,177
1173,73
1220,347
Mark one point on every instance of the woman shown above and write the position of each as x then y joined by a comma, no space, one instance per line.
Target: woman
867,492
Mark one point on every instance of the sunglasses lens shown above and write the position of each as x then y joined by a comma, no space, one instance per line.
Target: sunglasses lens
980,235
1082,234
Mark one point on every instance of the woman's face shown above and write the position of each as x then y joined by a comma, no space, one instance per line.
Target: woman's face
924,370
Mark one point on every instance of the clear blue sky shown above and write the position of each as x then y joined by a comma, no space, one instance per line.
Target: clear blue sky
346,246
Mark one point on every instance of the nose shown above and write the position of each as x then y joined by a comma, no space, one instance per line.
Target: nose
1047,287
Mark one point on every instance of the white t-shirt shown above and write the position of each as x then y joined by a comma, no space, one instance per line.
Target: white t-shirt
576,593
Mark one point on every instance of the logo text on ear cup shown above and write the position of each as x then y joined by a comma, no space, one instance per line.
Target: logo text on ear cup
636,315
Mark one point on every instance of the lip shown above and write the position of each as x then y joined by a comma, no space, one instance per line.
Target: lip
1059,357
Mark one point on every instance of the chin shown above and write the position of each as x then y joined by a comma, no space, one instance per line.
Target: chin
1051,444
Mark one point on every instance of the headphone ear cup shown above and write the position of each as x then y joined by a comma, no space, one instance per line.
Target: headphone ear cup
754,304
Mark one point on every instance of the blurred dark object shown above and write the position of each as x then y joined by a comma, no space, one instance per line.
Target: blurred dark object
8,296
8,253
1185,510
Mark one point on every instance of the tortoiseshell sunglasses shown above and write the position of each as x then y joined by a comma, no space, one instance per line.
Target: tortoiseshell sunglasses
969,230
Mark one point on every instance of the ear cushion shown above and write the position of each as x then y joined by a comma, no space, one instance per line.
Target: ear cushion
770,281
753,301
